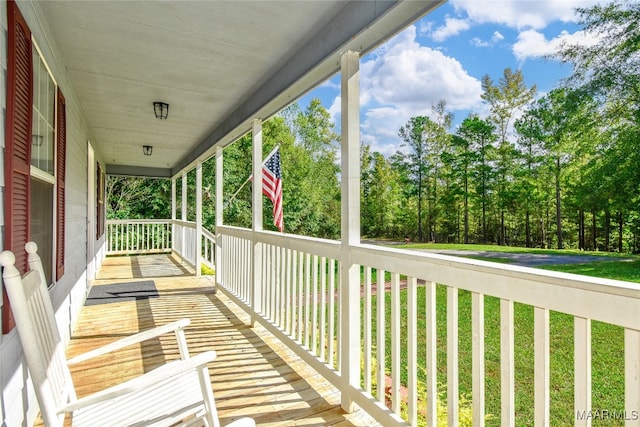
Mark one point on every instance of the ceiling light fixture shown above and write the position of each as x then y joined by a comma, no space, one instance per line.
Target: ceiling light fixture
161,109
147,150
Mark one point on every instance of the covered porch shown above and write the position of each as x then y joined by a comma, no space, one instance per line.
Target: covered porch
446,325
254,375
302,334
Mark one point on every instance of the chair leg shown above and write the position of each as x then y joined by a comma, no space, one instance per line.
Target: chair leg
211,416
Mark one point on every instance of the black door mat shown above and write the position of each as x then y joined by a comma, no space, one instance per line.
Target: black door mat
120,292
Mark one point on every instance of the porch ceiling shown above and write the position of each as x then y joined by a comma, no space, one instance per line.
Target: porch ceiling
218,64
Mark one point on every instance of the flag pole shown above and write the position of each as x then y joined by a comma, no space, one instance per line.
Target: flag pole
249,177
236,193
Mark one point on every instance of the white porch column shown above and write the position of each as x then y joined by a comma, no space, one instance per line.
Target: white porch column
350,227
173,213
183,215
183,198
219,213
198,241
256,206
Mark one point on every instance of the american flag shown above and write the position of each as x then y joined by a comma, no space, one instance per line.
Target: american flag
272,186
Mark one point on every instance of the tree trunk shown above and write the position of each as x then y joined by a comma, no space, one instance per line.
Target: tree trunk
632,246
547,228
581,239
484,212
419,206
434,206
457,240
502,237
558,206
607,229
527,228
594,230
620,226
431,212
466,213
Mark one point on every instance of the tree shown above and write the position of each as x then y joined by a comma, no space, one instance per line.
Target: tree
137,198
367,207
531,180
480,137
314,173
609,70
407,188
235,170
440,142
459,162
314,130
419,136
456,189
426,140
381,206
505,99
611,66
311,191
561,119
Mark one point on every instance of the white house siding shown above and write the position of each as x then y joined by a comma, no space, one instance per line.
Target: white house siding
18,406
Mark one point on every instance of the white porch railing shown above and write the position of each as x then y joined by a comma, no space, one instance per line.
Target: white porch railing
139,237
184,240
208,248
295,293
129,237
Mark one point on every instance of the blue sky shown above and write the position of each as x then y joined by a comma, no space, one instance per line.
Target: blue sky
444,56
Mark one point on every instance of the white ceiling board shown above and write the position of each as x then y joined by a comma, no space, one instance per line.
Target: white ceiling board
217,64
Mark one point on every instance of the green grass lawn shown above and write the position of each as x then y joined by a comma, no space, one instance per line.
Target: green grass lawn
619,270
511,249
607,350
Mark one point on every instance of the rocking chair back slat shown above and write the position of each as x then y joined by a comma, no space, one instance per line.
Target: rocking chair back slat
43,348
45,320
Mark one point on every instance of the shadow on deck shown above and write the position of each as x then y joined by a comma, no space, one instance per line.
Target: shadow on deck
254,375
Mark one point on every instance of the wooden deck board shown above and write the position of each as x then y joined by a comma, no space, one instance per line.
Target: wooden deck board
253,375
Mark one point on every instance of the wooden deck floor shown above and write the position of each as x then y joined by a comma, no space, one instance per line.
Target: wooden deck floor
254,374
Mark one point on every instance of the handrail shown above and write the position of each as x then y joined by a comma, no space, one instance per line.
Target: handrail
150,236
138,236
291,285
208,251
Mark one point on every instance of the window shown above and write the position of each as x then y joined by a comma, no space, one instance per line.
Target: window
43,162
44,106
35,150
100,210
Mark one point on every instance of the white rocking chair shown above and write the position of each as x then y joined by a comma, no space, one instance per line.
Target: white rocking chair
177,393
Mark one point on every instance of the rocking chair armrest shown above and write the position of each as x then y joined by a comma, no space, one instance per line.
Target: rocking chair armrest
164,372
130,340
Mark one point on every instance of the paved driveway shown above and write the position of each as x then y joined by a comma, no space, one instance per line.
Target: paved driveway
524,259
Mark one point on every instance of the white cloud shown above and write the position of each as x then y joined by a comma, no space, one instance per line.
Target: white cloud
335,110
495,38
331,84
533,44
478,42
451,27
405,79
402,79
520,14
412,75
